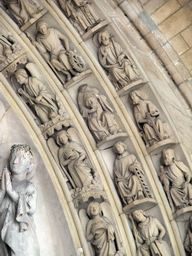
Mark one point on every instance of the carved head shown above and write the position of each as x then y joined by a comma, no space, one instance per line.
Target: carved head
104,38
83,87
119,148
21,76
135,97
91,102
139,215
21,159
168,156
93,209
42,27
63,137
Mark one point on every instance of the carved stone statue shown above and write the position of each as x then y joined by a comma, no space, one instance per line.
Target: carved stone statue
148,119
176,180
116,61
18,199
188,238
22,10
97,111
73,156
59,56
148,233
101,233
127,175
37,95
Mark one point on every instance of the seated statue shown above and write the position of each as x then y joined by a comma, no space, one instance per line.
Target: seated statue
188,238
116,61
22,10
175,177
37,95
126,179
148,119
97,111
101,233
61,58
148,234
18,199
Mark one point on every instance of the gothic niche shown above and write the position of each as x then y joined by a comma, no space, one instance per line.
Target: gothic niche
116,61
99,116
72,159
175,177
54,47
101,232
148,233
129,180
82,16
148,119
188,238
41,101
18,200
25,12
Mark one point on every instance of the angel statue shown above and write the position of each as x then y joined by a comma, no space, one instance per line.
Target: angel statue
148,119
148,233
101,233
36,94
54,47
18,199
23,10
122,71
97,111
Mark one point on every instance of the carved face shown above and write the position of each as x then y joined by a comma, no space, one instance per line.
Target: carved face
168,157
92,102
19,162
120,148
105,39
138,216
63,138
134,98
43,29
94,209
21,79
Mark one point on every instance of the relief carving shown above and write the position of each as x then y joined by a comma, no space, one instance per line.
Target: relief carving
101,233
117,62
97,112
188,238
129,176
148,233
54,47
18,199
175,177
148,119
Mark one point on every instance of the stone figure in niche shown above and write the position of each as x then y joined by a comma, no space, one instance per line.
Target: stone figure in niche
57,54
116,61
148,119
148,233
176,180
101,233
22,10
97,112
188,238
128,175
18,199
37,95
73,156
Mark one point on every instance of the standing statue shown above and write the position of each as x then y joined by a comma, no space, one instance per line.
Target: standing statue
97,111
61,58
188,238
76,17
176,180
22,10
148,119
18,199
148,233
37,95
116,61
127,175
101,233
73,156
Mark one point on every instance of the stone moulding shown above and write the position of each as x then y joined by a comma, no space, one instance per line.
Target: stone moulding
144,204
94,30
137,84
159,146
110,140
77,79
182,212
